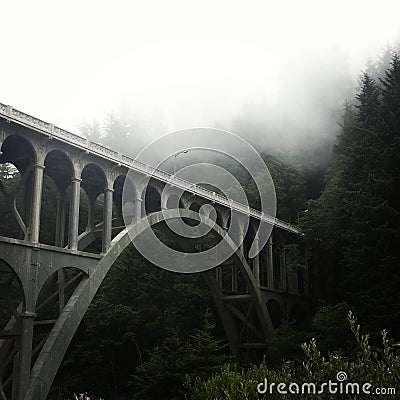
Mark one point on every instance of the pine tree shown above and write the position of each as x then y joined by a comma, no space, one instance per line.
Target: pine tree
359,207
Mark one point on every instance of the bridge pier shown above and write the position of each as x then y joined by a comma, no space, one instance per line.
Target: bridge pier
25,353
107,218
74,213
36,202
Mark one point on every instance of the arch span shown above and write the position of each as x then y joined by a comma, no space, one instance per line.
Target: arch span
50,358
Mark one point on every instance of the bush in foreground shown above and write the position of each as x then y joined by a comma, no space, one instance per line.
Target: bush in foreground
379,367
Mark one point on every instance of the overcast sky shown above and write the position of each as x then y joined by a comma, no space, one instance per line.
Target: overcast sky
186,63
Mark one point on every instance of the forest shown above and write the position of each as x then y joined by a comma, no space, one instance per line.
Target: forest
151,334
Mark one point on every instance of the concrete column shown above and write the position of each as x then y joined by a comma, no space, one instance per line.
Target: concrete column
26,212
74,214
270,264
25,353
36,202
164,199
107,218
60,222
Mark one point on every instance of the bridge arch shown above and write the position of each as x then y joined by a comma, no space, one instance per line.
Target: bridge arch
59,167
69,320
18,192
94,179
19,151
151,199
9,274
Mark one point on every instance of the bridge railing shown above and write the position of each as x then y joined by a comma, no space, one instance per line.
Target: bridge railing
51,130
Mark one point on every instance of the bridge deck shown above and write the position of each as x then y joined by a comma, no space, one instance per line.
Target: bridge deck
13,115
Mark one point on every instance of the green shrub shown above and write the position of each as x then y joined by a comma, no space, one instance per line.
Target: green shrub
380,367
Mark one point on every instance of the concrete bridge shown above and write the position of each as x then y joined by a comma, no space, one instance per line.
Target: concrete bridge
48,280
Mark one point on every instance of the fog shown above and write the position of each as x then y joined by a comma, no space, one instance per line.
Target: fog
277,74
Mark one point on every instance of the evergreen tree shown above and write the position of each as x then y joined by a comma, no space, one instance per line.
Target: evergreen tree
163,375
357,216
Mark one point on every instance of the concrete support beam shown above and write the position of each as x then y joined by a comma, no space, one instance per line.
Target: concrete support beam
25,353
107,218
74,214
36,202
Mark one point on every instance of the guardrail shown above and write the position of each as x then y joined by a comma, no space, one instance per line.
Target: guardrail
11,114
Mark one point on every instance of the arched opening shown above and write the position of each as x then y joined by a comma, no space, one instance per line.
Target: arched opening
9,181
151,200
16,185
93,183
126,199
18,151
93,180
57,178
117,217
118,187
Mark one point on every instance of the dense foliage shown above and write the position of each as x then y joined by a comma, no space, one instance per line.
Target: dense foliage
379,367
355,224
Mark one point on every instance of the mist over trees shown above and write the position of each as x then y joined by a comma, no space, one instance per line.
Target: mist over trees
356,221
343,192
152,334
